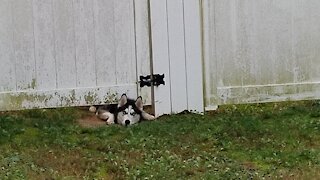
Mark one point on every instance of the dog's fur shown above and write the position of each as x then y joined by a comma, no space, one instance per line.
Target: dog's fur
126,112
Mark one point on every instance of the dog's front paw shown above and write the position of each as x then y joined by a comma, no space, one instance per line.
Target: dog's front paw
110,122
147,116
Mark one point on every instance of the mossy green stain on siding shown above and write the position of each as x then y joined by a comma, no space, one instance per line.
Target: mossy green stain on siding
12,101
110,97
29,99
33,84
68,99
91,97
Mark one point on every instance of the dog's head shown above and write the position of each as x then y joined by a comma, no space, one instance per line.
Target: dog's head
129,111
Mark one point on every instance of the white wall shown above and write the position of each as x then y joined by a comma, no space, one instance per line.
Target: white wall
257,51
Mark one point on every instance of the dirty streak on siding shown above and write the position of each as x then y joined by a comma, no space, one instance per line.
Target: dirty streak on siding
63,98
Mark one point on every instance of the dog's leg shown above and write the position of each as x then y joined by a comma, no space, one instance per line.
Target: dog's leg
147,116
105,115
110,119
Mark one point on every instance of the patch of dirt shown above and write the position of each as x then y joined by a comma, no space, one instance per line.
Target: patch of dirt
249,165
89,119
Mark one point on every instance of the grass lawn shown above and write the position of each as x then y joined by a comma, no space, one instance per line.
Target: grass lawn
271,141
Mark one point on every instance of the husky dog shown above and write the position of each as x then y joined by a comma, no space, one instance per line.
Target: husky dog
126,112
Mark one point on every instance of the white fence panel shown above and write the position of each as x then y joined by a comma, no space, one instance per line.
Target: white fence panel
65,47
71,52
194,66
105,45
160,55
176,47
7,67
23,43
177,55
44,44
261,51
143,45
84,23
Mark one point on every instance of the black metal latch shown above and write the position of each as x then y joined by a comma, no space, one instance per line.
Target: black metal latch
155,79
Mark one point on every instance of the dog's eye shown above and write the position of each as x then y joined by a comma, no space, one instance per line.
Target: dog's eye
133,113
124,112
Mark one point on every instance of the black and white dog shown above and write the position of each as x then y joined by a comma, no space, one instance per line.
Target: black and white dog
126,112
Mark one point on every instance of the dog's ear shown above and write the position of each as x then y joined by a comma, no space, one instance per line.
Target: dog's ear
123,100
139,103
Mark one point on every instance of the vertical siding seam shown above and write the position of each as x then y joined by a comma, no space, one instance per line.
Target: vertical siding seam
14,50
34,48
74,44
185,53
215,40
292,42
114,40
94,41
203,50
135,44
133,58
54,43
169,66
151,53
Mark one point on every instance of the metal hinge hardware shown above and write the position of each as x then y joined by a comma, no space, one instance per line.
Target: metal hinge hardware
155,80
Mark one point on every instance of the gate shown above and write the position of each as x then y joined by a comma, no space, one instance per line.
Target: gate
177,53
